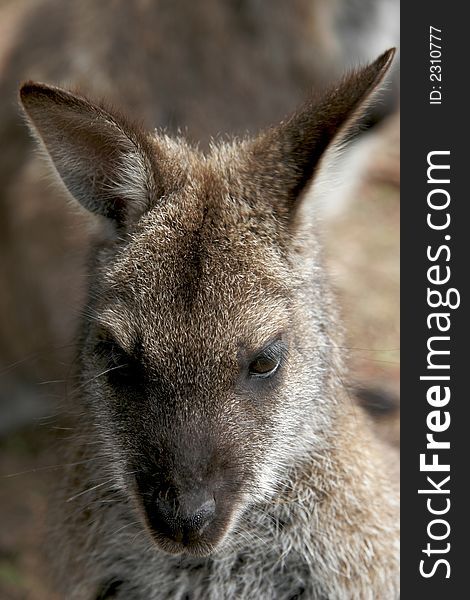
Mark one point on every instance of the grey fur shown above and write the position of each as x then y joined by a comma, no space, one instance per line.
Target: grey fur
212,257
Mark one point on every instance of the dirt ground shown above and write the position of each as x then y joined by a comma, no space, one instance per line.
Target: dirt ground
363,255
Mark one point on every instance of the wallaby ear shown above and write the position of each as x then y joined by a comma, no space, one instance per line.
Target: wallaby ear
105,163
286,158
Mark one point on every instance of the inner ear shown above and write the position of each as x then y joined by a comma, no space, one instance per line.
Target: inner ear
106,163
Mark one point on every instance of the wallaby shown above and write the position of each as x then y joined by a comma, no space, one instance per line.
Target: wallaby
217,454
210,67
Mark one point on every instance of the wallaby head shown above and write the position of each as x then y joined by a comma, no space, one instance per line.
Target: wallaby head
207,357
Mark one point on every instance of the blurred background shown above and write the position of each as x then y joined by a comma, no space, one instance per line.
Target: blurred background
208,68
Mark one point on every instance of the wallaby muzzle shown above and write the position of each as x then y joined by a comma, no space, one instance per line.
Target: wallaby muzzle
190,484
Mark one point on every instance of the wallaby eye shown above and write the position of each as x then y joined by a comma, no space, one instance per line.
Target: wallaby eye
263,366
267,362
122,367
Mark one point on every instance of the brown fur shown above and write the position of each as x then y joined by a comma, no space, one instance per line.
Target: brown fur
212,264
209,67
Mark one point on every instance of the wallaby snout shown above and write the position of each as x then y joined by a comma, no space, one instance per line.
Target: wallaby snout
184,521
189,490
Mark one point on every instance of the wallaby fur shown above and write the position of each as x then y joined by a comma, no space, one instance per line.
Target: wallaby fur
212,266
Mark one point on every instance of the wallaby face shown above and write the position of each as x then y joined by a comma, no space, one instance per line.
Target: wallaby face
208,350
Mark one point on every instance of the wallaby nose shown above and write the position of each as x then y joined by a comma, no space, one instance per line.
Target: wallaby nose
183,518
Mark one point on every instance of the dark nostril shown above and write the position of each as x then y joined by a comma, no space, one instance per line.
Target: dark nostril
181,518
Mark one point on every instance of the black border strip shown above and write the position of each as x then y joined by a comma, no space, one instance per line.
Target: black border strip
425,128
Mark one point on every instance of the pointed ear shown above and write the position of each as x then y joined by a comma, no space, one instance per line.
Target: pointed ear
105,163
286,158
